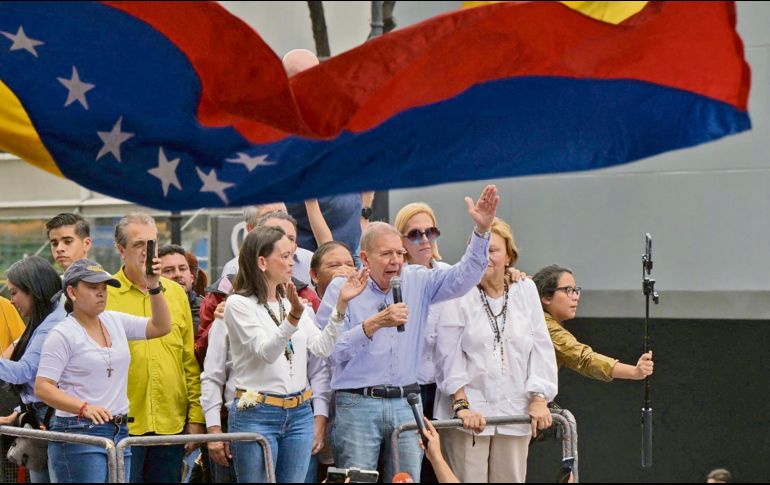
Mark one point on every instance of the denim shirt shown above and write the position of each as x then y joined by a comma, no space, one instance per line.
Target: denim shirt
390,357
24,371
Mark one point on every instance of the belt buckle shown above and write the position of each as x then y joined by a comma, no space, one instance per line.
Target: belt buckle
373,388
289,402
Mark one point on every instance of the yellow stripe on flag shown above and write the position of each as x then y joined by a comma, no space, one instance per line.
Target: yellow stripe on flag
610,12
18,135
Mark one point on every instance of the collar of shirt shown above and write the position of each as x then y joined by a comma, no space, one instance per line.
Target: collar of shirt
125,283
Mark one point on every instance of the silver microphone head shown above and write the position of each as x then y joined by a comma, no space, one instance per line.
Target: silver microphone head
395,282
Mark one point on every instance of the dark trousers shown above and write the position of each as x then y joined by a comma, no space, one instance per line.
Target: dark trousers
428,396
156,464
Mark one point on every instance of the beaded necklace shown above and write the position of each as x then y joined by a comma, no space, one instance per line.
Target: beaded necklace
288,352
497,328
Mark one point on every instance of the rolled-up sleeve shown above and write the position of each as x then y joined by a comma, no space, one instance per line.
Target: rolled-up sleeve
543,372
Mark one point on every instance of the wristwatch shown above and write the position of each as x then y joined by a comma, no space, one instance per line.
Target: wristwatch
538,394
366,212
157,290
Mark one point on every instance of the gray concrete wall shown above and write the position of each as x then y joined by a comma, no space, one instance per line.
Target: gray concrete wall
706,208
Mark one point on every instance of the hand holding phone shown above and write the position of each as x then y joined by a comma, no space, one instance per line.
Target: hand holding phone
151,253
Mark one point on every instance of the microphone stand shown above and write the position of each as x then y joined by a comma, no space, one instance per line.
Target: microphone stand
648,288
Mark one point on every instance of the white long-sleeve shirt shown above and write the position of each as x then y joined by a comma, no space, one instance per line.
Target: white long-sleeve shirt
465,357
258,344
217,377
427,374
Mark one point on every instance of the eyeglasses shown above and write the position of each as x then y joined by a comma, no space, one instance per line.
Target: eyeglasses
571,291
415,235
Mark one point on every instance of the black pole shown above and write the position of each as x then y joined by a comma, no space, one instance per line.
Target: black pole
176,227
648,288
381,204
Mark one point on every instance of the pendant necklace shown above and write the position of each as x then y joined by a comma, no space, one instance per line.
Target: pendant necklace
288,352
109,350
497,328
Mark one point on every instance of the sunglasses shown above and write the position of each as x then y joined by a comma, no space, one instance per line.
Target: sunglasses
415,235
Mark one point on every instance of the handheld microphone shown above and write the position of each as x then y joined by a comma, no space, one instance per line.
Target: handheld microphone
414,400
395,283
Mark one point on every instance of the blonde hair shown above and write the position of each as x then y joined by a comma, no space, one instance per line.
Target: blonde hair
409,211
503,229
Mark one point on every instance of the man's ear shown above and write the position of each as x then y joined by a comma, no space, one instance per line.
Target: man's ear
88,243
364,259
121,250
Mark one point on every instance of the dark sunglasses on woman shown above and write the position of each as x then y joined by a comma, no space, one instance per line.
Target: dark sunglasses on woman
415,235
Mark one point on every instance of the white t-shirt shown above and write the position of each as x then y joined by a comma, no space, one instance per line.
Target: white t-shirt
79,365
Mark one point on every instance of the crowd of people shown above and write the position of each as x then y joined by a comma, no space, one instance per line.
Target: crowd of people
313,349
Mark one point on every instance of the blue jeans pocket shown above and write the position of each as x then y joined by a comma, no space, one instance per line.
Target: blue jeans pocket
347,400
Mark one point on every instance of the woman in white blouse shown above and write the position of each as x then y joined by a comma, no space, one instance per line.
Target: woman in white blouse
270,337
494,358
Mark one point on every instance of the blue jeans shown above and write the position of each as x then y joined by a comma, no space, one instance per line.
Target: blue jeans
157,464
312,470
289,433
75,463
219,473
43,476
364,424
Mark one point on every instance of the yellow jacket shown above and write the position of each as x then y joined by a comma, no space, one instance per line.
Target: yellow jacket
11,324
164,387
576,356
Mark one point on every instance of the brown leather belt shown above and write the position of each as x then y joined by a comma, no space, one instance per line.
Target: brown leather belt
278,401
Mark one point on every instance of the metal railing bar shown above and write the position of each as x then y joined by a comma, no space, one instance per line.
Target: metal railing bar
194,438
81,439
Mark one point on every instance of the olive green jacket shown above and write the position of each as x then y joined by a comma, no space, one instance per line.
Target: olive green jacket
576,356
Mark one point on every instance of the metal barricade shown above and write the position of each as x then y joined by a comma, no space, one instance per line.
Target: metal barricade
81,439
561,418
193,438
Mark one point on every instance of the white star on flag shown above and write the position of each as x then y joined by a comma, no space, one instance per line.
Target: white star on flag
251,162
112,140
77,89
21,41
212,184
166,172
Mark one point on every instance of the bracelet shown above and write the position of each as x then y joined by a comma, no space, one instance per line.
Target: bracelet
157,290
363,327
460,405
294,316
82,409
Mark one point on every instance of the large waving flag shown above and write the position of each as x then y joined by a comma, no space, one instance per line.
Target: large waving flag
181,105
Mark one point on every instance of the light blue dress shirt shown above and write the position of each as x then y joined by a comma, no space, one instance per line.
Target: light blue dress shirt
393,358
24,372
